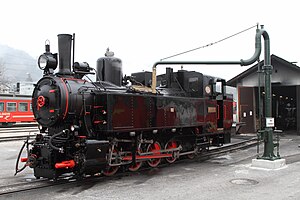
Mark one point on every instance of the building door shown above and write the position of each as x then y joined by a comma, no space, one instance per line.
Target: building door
246,109
284,107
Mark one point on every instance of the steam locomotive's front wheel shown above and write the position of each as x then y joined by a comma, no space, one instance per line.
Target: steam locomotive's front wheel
111,170
154,148
169,146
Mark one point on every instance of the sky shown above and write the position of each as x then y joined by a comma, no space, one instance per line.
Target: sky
141,32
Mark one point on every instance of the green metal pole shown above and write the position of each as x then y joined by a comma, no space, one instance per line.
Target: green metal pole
268,139
268,133
259,71
259,105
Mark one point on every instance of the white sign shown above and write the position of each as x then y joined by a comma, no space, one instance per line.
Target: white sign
270,122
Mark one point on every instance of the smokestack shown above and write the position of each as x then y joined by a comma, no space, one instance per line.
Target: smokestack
64,53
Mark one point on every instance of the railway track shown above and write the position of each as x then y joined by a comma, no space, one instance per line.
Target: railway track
15,138
31,124
231,147
17,133
44,183
32,185
18,129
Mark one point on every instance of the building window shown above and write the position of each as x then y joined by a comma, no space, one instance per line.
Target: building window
1,106
11,107
23,107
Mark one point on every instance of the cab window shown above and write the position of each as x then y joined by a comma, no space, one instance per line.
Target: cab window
11,107
219,87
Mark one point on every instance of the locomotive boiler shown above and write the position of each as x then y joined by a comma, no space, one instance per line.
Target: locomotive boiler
90,127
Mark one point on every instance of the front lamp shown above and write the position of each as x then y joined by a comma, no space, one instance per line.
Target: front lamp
47,61
42,62
208,89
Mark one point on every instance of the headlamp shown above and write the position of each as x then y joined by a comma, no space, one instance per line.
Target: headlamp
47,61
42,62
208,89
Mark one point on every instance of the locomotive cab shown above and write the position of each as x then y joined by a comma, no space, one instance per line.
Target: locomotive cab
225,109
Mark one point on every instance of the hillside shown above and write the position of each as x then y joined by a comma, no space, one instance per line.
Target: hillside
18,65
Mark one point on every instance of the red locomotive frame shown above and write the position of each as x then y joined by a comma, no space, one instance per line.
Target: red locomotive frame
15,109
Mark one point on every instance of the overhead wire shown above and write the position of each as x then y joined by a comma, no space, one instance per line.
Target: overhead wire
210,44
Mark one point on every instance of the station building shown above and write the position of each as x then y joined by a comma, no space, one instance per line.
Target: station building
285,96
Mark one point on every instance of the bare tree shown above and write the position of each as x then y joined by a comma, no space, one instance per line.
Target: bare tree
3,79
1,69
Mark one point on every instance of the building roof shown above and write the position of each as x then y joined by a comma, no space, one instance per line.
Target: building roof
233,82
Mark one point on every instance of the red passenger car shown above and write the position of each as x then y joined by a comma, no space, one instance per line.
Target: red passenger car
15,108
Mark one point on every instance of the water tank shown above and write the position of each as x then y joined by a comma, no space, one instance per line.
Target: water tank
109,68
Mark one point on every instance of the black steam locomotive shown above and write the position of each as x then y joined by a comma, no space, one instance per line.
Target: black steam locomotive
91,127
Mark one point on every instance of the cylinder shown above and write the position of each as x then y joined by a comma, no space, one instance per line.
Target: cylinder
64,53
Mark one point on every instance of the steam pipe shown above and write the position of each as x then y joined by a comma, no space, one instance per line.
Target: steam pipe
259,33
267,68
64,52
73,57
